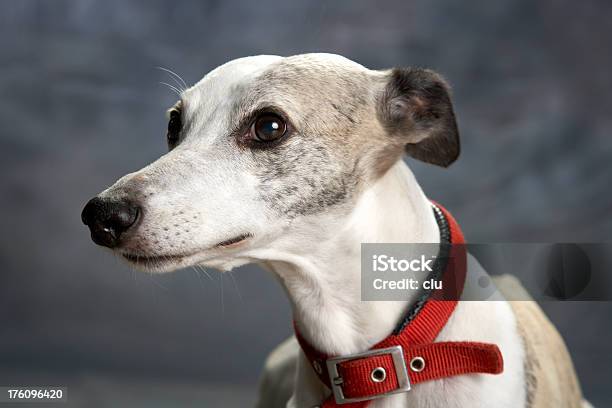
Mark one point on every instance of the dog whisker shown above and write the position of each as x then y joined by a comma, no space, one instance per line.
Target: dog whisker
172,87
193,268
222,299
201,269
176,77
235,285
156,283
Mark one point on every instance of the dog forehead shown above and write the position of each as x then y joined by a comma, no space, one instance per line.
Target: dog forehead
307,75
245,80
217,86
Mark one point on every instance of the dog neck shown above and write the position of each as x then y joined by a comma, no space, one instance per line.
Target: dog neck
323,279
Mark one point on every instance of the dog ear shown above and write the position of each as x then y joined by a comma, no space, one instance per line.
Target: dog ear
416,109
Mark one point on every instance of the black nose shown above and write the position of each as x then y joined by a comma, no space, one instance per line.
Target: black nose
108,219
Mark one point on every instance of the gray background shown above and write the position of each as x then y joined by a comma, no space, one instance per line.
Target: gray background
81,106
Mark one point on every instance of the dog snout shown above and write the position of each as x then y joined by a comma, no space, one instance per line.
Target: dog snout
108,219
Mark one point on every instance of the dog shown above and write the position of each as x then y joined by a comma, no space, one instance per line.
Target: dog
292,163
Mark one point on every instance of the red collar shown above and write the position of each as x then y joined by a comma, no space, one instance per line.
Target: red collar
410,356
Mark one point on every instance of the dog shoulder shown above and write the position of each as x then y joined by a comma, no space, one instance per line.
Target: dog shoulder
278,376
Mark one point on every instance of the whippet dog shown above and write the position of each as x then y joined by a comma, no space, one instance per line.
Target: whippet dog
292,163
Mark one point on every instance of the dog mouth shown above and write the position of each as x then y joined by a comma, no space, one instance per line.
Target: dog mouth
233,242
155,261
170,260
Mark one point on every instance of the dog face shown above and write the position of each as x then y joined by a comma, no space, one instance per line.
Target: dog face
263,147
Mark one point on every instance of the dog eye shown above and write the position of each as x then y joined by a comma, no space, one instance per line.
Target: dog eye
174,128
268,127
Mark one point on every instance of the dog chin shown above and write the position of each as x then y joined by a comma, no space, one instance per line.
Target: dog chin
171,263
225,264
155,264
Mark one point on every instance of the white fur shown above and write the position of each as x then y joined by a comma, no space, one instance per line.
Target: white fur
324,288
202,192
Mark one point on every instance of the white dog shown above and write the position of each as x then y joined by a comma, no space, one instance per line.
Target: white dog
292,163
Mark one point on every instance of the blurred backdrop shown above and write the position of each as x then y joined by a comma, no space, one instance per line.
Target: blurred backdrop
81,105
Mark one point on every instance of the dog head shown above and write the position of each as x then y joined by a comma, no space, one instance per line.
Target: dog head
261,149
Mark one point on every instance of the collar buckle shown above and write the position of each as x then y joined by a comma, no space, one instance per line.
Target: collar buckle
399,364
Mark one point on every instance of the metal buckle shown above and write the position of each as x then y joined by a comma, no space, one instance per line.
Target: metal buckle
401,372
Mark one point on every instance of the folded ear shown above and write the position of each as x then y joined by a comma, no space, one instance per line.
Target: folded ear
416,110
